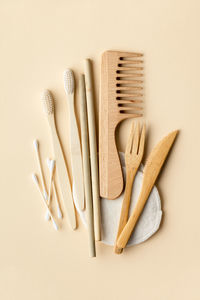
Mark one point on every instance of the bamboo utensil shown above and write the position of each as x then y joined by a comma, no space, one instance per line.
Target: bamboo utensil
151,171
133,157
65,186
120,98
76,158
35,180
86,168
93,147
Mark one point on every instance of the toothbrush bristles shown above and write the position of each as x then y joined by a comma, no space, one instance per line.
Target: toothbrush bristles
48,102
68,81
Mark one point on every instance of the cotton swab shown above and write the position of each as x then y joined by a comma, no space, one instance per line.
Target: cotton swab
51,168
36,146
35,179
59,212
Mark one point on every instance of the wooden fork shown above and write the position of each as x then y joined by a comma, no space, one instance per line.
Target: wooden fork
133,157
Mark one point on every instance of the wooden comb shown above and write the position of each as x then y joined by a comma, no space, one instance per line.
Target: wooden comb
120,98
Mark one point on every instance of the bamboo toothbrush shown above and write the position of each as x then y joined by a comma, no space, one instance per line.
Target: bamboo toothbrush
59,212
75,147
36,146
65,186
35,180
51,168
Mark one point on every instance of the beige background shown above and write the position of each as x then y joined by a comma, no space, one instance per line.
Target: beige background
39,39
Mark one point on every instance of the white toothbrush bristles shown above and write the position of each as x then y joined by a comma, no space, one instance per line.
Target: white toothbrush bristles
51,168
59,212
35,179
68,81
48,102
36,146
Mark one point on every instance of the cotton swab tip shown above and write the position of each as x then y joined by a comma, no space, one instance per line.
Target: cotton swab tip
47,216
55,225
35,179
48,160
52,165
45,195
59,212
68,81
36,144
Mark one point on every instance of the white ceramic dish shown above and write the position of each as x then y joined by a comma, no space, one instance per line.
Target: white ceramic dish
148,223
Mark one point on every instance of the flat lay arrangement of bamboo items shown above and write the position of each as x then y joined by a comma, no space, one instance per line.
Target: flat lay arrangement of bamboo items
133,157
151,171
120,98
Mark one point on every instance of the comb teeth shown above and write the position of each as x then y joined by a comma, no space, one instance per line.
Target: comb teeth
129,85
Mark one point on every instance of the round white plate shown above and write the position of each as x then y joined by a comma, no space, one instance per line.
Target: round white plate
148,223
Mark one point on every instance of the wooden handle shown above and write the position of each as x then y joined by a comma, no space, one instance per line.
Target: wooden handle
86,168
76,157
93,147
125,206
110,171
63,175
126,232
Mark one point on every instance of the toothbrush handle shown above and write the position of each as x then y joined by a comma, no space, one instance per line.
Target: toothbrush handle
63,175
76,157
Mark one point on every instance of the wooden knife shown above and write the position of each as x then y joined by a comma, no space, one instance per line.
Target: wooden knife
151,171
